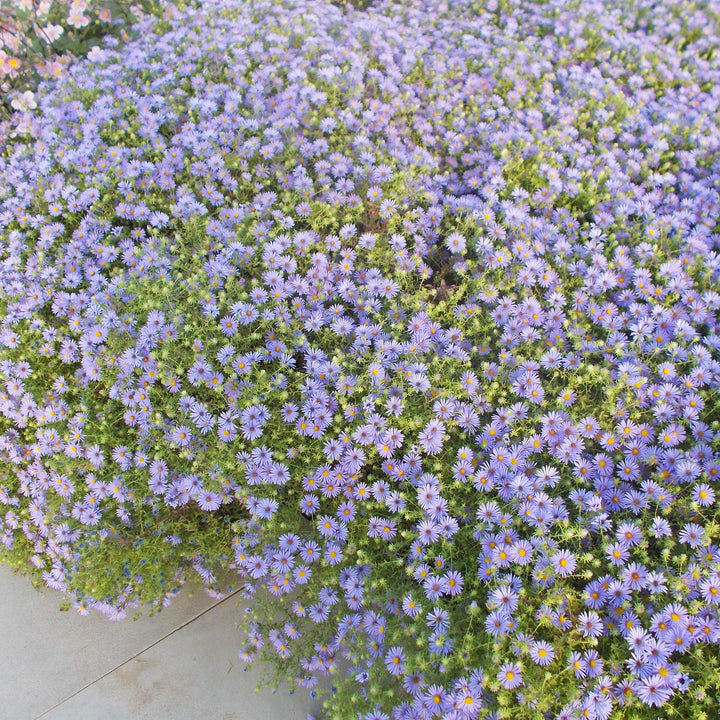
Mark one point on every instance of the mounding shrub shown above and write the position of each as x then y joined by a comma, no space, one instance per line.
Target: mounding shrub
407,315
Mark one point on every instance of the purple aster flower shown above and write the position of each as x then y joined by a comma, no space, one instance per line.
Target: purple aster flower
90,516
578,665
541,652
703,495
414,684
692,535
510,676
653,691
121,455
434,698
498,622
428,532
327,526
302,574
388,529
521,552
410,607
660,527
395,661
95,456
440,644
564,563
629,534
454,582
470,382
431,438
438,619
309,504
333,554
181,436
266,508
434,587
589,624
310,551
596,594
710,589
209,501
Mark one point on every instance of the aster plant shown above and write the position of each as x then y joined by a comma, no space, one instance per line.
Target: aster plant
408,316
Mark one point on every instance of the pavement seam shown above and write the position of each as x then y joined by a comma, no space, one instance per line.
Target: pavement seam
140,652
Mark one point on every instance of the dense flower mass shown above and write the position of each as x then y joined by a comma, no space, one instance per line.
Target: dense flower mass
409,316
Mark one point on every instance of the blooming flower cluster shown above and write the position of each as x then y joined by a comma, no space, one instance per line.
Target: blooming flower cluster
409,316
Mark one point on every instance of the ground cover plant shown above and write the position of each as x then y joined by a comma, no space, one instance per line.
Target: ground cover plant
407,315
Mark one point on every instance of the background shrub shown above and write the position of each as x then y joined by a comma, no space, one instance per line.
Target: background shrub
39,38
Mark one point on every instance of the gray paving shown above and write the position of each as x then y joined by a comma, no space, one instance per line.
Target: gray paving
180,664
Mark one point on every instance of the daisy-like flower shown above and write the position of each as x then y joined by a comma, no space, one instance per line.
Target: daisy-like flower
660,527
629,534
703,494
428,532
498,622
589,624
617,553
692,535
455,242
181,436
710,589
653,691
510,676
434,697
395,661
564,563
209,501
521,552
431,438
541,652
454,582
470,382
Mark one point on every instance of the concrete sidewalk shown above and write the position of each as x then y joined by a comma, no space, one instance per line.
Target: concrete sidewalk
180,664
